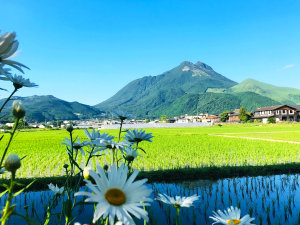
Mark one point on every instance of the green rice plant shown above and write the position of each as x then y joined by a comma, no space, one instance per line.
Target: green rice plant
172,148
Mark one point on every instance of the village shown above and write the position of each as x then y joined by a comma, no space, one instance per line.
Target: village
269,114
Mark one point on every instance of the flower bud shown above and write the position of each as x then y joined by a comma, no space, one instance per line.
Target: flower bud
105,167
86,173
70,128
18,110
129,158
66,166
12,163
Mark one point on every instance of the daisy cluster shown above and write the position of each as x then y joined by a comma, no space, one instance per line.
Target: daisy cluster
119,198
104,142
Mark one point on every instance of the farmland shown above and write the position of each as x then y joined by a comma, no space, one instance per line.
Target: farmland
171,148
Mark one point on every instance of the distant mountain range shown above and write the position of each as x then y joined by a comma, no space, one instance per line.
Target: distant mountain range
186,89
48,107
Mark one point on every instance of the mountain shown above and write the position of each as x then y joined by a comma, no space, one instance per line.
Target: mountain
182,90
153,91
283,95
48,107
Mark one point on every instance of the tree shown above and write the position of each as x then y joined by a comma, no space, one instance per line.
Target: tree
163,117
224,116
244,115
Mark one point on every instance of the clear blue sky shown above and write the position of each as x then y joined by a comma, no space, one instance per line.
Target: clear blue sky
88,50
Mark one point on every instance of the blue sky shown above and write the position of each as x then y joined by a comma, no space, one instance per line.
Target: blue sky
88,50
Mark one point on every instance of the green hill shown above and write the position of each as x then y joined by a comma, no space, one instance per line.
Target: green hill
186,89
48,107
212,103
283,95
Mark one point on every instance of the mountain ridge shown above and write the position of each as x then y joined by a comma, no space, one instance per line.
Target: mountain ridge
48,107
153,96
285,95
188,88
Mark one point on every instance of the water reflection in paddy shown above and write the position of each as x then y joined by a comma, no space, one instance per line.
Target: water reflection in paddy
271,200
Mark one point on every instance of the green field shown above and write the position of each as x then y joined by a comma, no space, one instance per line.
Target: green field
171,148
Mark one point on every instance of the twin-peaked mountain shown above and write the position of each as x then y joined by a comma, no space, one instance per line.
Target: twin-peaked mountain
186,89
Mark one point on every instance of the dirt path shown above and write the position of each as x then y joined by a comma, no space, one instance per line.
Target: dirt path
253,138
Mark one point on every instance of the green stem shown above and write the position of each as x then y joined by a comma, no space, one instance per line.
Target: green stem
6,101
113,155
119,138
177,217
144,207
10,139
120,130
72,152
6,211
47,220
90,156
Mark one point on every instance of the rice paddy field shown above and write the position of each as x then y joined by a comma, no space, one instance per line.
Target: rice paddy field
269,199
229,145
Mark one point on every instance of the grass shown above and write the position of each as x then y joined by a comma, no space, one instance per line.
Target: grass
172,148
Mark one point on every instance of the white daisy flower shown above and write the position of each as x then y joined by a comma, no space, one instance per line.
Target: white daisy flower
232,217
18,81
131,154
117,196
77,145
8,50
93,135
56,189
108,144
137,136
123,115
178,201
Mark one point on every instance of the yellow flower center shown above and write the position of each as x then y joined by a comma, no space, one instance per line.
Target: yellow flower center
234,221
115,196
176,205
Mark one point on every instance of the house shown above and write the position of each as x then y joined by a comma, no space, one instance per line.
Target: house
233,117
211,118
278,112
10,124
183,120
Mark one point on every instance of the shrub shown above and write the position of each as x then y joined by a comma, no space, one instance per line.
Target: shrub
271,120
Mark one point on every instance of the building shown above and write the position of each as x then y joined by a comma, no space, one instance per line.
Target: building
212,118
278,112
233,117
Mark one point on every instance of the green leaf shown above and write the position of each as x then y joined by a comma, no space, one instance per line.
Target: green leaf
19,192
5,185
3,193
